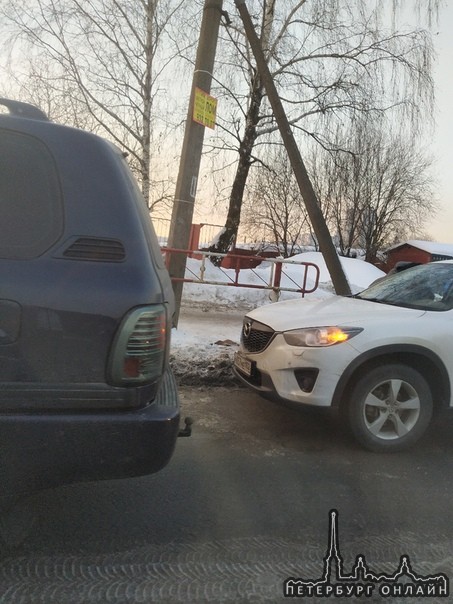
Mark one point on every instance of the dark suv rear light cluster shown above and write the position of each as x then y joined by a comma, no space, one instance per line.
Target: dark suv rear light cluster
139,349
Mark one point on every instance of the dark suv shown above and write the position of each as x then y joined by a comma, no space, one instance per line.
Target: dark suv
85,312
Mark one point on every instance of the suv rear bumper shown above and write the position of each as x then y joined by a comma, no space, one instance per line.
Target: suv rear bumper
41,450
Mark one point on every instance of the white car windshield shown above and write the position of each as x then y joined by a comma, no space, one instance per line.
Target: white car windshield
427,287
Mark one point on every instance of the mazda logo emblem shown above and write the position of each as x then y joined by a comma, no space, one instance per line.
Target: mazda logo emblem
247,328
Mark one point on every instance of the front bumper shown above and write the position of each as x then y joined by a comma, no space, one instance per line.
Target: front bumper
273,371
41,450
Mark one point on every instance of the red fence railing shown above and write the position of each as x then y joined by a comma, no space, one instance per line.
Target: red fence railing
271,276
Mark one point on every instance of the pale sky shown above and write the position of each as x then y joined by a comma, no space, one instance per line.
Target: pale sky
441,227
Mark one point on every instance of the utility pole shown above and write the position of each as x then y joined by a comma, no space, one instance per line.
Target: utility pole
320,228
189,167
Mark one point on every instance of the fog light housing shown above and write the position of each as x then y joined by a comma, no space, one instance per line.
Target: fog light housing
306,379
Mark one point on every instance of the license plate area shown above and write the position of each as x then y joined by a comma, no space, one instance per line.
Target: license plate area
243,364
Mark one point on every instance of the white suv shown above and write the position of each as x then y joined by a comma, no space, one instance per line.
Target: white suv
384,357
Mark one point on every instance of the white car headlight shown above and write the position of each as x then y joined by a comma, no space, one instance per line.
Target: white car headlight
320,336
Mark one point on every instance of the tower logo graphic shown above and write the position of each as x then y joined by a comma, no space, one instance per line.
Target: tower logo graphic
362,581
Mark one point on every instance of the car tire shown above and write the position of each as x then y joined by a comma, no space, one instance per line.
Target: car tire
389,408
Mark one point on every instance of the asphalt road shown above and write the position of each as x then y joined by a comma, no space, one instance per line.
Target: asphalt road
244,504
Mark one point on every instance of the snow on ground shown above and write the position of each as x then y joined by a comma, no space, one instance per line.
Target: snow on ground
211,316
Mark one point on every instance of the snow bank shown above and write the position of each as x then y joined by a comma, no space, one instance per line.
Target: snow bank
360,274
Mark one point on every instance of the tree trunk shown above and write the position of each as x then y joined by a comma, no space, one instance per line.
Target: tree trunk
229,233
147,92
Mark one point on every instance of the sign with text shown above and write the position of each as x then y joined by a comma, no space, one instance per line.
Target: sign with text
363,582
204,108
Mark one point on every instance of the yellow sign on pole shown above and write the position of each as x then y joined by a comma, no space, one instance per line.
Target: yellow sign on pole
204,108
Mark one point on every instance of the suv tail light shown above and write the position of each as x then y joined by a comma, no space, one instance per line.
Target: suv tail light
139,348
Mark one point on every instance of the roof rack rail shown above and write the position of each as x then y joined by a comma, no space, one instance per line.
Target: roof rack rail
19,109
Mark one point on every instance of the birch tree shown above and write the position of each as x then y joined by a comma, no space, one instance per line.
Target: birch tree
99,62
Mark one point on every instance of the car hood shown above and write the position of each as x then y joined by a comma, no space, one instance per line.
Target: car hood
337,310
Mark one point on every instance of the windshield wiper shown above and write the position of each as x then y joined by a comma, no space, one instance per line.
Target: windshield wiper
380,301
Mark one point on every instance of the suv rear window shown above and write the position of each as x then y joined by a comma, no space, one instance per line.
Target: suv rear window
31,214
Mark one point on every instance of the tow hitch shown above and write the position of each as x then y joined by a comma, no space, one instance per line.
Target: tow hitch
187,430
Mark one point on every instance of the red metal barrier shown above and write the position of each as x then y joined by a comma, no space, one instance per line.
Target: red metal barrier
276,271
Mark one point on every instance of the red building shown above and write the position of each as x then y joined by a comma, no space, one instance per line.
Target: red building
418,251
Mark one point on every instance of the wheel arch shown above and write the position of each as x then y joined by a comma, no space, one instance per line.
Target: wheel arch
427,363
